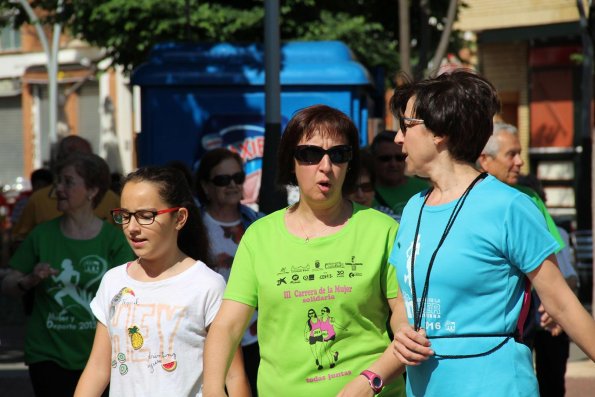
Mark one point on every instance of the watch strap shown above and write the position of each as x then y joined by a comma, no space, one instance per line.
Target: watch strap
375,380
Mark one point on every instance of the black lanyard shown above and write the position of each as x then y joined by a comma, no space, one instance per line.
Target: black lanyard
418,312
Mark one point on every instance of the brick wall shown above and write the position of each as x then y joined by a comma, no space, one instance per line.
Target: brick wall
495,14
505,65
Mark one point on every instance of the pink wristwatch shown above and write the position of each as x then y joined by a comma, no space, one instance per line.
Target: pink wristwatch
376,382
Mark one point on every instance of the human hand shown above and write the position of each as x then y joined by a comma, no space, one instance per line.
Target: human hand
411,347
40,272
548,323
358,387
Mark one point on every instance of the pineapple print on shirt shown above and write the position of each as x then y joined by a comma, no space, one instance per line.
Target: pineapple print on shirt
136,338
142,323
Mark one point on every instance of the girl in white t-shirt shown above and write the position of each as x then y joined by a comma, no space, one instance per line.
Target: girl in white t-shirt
154,313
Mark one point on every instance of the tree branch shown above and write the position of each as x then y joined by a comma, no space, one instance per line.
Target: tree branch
443,44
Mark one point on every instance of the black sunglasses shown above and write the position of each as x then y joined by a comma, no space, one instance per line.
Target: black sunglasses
311,154
225,180
388,157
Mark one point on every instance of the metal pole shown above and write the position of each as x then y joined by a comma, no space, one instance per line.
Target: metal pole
270,197
404,37
586,130
52,62
53,78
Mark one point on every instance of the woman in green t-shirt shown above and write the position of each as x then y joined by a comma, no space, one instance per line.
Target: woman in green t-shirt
62,262
323,254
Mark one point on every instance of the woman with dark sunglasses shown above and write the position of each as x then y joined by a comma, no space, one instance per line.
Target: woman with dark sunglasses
465,249
219,183
324,252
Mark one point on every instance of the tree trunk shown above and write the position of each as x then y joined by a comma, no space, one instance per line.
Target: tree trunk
404,37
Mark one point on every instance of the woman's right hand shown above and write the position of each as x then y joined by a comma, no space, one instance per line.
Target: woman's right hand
17,283
43,270
40,272
411,347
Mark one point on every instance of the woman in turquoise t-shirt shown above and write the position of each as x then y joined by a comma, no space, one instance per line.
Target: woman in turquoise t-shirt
465,249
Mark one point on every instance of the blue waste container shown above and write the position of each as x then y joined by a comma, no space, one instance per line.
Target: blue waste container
196,97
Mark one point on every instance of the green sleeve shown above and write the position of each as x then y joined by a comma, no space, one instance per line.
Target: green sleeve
389,275
243,284
551,225
27,255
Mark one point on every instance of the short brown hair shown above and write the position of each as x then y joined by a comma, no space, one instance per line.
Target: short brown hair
307,122
92,168
458,105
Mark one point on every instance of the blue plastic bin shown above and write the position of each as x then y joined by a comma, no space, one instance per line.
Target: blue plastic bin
195,97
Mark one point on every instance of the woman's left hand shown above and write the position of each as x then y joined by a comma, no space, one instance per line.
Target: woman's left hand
411,347
547,322
358,387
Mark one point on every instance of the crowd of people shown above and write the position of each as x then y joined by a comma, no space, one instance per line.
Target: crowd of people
423,264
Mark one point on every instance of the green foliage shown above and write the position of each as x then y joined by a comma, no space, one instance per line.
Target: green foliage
129,28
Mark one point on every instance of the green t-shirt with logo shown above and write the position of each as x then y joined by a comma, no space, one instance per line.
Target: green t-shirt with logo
322,304
61,327
396,197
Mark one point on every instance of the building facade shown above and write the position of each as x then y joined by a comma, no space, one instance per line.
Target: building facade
534,53
94,101
539,55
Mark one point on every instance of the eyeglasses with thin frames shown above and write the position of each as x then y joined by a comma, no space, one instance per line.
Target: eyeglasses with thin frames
408,122
66,183
143,217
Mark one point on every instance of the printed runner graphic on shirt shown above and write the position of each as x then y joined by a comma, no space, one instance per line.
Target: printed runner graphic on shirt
136,323
322,328
320,334
73,290
432,310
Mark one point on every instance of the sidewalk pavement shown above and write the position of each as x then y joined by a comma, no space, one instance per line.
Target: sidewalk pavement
14,378
580,374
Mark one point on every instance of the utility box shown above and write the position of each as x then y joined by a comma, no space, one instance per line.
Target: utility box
196,97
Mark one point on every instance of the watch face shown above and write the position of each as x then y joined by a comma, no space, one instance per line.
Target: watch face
377,382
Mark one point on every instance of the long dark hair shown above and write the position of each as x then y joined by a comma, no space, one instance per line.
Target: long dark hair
175,191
